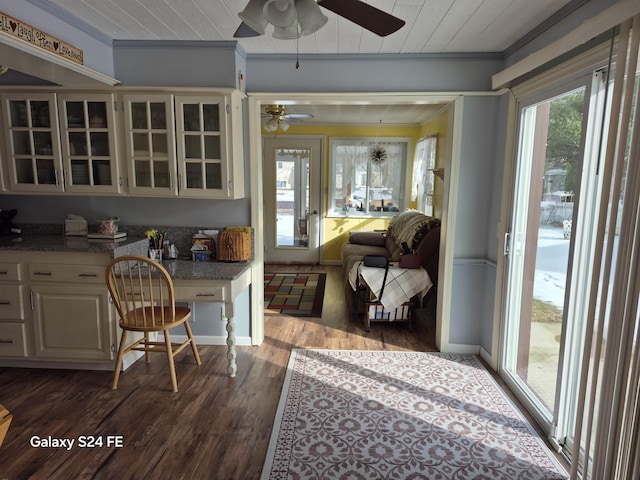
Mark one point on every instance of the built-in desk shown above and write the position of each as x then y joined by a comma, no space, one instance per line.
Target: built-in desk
212,282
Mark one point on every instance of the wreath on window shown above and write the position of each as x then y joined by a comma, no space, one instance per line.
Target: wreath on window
378,154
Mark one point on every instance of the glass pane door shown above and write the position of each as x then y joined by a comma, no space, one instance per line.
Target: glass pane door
150,144
540,320
33,142
292,187
201,146
88,143
292,197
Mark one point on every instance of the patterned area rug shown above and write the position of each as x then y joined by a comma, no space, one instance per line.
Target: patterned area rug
398,415
295,294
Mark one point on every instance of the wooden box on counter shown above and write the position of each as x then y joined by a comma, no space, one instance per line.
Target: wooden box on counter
234,244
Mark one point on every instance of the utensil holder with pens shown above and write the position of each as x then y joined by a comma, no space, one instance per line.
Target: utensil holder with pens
155,254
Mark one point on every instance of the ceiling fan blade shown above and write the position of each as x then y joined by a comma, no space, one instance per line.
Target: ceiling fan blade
373,19
245,31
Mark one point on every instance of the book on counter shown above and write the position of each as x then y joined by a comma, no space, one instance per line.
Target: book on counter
107,236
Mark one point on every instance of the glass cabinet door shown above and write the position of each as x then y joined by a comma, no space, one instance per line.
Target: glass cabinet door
150,144
202,160
31,132
88,143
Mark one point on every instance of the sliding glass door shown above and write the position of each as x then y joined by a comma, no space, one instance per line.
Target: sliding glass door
550,249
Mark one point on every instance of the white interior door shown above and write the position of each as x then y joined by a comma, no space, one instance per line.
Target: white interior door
292,187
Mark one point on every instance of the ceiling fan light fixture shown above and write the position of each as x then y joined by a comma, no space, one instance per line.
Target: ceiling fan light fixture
310,17
271,125
254,17
290,32
280,13
275,115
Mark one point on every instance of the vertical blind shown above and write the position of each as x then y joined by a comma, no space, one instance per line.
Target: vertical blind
609,428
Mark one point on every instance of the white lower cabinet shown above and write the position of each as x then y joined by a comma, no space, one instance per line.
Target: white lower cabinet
13,330
72,322
55,310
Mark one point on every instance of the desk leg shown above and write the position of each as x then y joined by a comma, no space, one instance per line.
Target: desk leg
228,313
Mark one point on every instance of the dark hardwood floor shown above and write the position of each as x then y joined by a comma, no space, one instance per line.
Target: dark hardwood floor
215,427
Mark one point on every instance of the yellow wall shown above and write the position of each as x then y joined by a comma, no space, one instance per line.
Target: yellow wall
336,230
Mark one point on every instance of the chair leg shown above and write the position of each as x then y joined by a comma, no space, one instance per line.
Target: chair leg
193,342
116,373
147,352
172,367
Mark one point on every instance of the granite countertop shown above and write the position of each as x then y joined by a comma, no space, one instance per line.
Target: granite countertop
190,270
181,269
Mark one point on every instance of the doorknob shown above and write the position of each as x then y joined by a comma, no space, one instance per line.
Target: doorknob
315,212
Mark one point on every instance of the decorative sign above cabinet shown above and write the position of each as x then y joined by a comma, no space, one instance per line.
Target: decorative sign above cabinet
27,33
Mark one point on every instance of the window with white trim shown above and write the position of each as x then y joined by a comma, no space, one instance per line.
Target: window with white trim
367,176
423,178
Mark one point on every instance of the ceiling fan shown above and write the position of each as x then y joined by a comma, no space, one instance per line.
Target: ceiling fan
276,117
294,18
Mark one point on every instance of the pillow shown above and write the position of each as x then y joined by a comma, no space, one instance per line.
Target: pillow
367,238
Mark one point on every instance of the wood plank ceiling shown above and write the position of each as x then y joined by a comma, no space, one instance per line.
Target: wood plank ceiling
432,26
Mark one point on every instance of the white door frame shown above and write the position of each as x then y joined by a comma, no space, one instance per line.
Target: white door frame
315,220
445,269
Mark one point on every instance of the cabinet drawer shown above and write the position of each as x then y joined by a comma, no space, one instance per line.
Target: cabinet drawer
12,340
43,272
9,271
11,305
199,294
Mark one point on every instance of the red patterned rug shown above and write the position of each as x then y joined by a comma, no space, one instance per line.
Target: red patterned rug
295,294
397,415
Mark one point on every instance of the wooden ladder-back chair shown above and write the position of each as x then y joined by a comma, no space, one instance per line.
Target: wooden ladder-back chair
143,293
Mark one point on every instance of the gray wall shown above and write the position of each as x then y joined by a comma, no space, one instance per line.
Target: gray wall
371,73
476,220
185,64
131,210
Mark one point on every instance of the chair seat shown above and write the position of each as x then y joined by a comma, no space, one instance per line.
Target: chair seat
182,314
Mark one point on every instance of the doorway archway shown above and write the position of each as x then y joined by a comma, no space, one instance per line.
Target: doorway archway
255,103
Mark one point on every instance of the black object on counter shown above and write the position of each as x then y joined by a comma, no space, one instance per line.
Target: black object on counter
7,227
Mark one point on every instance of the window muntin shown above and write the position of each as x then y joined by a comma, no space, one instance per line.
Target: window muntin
359,185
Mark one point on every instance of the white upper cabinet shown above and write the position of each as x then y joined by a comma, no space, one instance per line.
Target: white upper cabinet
33,157
88,134
158,144
150,144
209,146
